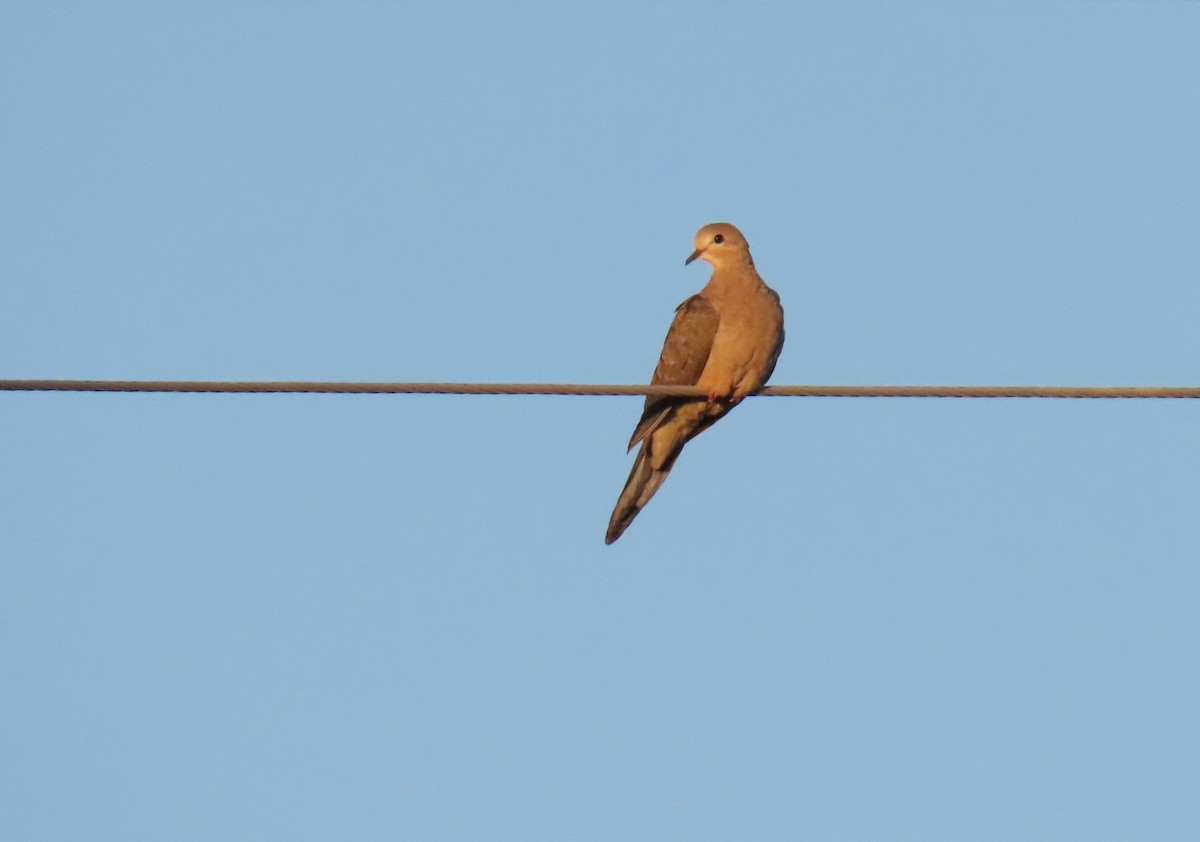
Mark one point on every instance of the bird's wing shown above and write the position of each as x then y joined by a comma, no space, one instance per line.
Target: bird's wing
684,355
769,367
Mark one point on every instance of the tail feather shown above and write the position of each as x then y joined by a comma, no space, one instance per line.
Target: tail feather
643,481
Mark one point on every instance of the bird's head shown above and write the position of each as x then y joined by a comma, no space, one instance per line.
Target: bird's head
721,244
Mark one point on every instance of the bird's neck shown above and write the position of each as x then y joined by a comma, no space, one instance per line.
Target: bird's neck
733,277
734,263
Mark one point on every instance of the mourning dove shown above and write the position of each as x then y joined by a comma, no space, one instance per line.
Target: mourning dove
725,339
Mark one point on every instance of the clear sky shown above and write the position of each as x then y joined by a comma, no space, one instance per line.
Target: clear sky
390,617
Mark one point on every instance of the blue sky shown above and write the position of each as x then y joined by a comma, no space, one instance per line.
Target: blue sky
314,617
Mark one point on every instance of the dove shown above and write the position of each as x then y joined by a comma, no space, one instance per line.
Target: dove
726,340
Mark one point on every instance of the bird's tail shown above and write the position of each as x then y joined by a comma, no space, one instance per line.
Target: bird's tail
643,481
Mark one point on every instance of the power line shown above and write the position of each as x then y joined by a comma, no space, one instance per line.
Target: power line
320,387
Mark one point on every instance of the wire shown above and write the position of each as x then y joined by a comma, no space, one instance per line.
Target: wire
293,386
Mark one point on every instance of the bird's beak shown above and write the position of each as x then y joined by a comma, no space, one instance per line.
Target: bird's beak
692,257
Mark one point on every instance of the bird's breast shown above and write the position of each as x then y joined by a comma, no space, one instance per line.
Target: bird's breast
745,341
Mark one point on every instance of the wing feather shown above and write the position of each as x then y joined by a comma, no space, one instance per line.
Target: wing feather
685,353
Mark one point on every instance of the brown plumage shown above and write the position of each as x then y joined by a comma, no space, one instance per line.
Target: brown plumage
725,339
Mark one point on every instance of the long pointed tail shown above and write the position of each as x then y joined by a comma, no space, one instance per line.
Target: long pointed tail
639,488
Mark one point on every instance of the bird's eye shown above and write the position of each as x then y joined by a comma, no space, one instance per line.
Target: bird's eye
720,238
